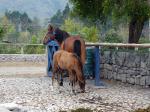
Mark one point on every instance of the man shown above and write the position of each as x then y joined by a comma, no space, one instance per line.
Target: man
52,47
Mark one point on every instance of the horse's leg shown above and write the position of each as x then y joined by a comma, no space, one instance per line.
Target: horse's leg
53,77
71,76
58,82
61,79
74,80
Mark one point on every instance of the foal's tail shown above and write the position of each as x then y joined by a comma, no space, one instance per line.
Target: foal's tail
77,48
79,61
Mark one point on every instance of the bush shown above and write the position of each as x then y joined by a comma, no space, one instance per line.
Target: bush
9,49
1,32
90,34
112,37
31,49
144,40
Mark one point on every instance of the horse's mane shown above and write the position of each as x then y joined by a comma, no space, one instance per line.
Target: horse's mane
61,35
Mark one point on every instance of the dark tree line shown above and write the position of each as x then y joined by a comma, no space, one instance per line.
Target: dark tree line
60,16
22,21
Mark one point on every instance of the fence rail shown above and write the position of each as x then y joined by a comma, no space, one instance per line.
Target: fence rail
119,45
23,48
147,45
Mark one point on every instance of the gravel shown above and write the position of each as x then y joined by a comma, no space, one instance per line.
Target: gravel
37,95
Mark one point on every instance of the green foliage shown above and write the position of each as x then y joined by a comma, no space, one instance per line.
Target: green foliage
34,39
136,12
144,40
1,32
97,9
71,26
88,8
112,37
16,27
23,37
90,34
32,49
9,49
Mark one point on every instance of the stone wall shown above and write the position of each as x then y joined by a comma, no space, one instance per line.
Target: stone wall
23,57
130,67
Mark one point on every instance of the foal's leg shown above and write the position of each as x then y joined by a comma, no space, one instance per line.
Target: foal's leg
71,76
61,79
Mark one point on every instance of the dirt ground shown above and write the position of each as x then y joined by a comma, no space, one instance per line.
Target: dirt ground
22,69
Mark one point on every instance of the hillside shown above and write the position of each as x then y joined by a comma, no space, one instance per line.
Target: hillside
34,8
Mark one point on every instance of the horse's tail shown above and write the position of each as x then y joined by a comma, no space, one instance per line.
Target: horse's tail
80,76
80,68
79,61
77,48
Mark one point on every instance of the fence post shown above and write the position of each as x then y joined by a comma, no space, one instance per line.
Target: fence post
97,66
22,49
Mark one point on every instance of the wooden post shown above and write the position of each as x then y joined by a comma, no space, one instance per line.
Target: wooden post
97,66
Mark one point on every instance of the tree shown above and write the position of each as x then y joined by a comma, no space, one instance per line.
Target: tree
88,33
135,11
21,21
57,19
6,28
60,16
66,12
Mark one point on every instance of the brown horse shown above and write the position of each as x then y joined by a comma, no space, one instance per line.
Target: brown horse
63,60
74,44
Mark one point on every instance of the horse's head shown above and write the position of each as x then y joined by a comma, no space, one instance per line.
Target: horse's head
48,37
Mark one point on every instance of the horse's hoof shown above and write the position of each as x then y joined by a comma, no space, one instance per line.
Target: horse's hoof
83,91
61,83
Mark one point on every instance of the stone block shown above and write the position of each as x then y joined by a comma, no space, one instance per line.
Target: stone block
123,78
147,81
143,81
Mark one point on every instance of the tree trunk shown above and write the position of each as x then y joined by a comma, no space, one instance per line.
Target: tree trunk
135,30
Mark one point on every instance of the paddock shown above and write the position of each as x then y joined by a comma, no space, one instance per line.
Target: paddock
34,93
24,81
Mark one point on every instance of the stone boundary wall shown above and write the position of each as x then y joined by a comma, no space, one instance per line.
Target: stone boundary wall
23,57
128,67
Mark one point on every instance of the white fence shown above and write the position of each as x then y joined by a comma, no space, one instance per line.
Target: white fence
23,48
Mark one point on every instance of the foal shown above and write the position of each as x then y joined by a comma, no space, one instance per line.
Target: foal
63,60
